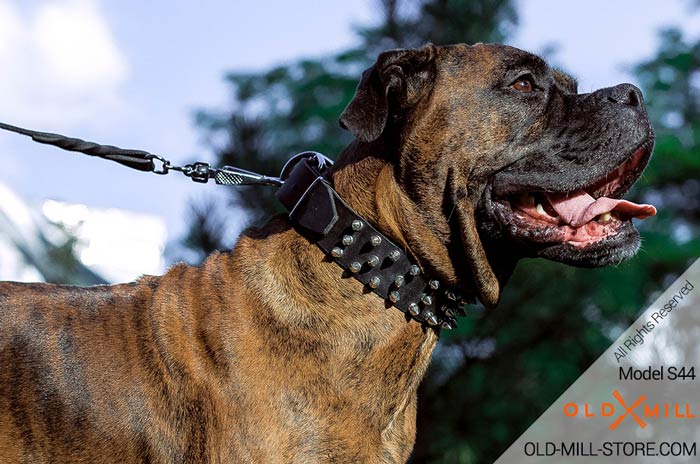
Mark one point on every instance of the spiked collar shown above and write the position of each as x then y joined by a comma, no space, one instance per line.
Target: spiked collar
364,253
318,213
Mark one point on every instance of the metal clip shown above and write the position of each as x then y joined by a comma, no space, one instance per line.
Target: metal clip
164,167
229,175
199,172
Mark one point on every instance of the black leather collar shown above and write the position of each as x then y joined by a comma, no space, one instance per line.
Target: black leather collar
319,213
361,250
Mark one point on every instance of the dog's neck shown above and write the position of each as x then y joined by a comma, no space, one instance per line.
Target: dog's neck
365,178
358,341
334,331
334,328
355,177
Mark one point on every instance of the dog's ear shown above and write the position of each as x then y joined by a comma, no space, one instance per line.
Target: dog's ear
395,82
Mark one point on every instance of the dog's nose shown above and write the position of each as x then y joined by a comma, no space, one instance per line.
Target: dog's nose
624,94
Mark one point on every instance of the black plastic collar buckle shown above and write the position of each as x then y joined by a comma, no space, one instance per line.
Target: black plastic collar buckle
306,193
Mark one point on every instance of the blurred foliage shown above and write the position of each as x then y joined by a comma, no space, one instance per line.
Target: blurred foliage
58,262
294,107
492,377
47,247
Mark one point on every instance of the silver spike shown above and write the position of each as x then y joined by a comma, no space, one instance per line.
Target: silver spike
374,282
347,240
394,255
431,318
394,296
448,311
357,225
337,252
452,296
373,260
414,309
414,270
355,267
426,299
446,325
434,284
399,281
375,240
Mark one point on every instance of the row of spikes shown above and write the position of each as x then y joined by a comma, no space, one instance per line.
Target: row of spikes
414,309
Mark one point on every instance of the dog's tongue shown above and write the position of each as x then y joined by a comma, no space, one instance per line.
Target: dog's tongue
577,208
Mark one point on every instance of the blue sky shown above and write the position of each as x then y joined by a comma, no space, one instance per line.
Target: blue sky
131,73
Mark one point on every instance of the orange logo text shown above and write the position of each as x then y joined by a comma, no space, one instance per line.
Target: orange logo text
637,411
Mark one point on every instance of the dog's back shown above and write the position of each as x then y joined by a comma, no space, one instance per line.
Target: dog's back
63,350
120,373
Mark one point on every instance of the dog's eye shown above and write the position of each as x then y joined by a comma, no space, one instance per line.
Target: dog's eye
523,84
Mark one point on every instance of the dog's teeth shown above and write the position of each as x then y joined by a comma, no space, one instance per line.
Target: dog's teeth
414,309
540,209
374,282
527,199
605,217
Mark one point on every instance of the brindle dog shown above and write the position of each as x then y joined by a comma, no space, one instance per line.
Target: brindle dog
268,353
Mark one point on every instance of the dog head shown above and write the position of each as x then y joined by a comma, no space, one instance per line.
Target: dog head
491,156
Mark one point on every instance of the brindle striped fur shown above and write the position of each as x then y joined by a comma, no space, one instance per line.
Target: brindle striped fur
266,353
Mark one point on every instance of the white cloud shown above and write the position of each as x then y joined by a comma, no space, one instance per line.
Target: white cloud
60,63
75,43
119,245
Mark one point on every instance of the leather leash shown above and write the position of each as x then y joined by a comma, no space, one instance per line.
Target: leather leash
318,212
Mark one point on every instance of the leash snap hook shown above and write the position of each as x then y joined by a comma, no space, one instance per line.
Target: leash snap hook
198,172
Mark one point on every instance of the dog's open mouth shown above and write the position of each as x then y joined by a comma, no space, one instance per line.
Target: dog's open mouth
580,217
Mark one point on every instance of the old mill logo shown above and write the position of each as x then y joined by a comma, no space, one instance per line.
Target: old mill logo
639,410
